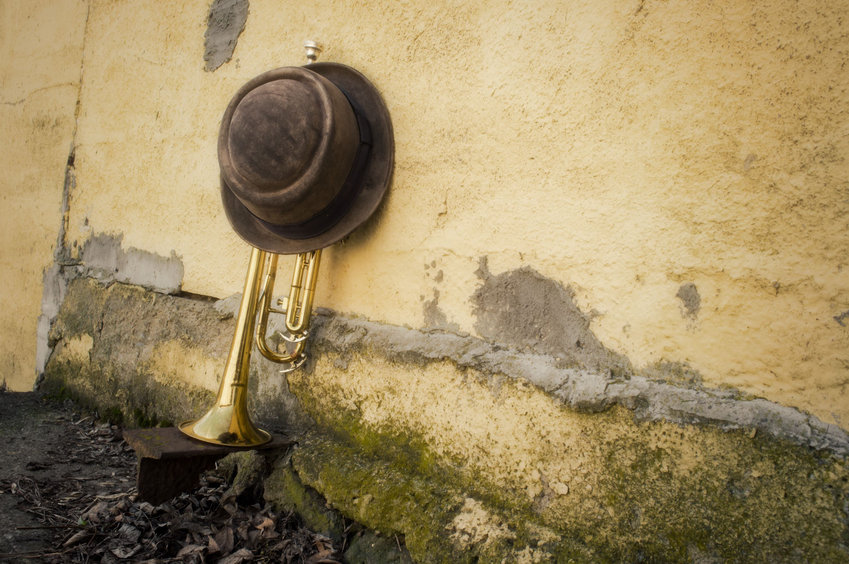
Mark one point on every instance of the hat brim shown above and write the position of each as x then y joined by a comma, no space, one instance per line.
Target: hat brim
376,175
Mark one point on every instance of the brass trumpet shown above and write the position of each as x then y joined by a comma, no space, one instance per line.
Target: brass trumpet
227,422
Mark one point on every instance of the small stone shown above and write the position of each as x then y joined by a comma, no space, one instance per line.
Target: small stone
365,500
560,488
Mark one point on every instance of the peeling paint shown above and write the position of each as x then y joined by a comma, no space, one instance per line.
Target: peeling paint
104,259
523,309
225,23
690,300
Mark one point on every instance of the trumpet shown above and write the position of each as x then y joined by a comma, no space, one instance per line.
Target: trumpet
228,422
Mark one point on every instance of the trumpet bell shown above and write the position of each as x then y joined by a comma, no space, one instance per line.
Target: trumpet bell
227,426
227,422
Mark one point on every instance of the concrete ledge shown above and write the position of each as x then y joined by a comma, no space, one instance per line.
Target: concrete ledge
584,389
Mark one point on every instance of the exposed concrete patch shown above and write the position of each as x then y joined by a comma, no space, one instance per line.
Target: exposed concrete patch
435,318
473,524
105,260
53,293
102,258
678,373
228,307
55,279
224,25
690,300
523,309
144,353
585,389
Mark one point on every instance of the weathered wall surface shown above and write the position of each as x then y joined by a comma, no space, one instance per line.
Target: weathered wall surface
471,451
41,49
599,210
679,168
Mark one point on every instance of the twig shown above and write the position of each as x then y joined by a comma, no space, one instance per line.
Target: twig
66,526
15,555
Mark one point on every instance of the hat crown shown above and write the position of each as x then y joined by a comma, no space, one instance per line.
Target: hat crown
275,134
287,145
306,156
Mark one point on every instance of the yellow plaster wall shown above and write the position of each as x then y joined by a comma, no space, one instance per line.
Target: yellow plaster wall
41,46
620,148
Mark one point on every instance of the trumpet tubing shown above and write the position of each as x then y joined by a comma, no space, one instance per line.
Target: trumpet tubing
227,422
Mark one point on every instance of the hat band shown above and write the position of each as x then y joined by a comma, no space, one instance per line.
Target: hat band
339,205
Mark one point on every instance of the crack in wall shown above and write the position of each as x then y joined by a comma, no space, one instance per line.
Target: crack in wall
57,276
22,100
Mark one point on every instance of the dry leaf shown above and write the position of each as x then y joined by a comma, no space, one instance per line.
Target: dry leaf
224,539
93,514
79,536
237,557
124,553
265,524
190,549
212,546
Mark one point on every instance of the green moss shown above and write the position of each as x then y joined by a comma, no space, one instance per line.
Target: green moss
395,484
757,499
379,496
112,414
286,492
748,497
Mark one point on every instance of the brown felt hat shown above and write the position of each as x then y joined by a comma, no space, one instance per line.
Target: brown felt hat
306,156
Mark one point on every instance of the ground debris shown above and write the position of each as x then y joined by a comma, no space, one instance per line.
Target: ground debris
193,527
88,509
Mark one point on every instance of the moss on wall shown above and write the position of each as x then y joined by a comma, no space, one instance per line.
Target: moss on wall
561,484
757,501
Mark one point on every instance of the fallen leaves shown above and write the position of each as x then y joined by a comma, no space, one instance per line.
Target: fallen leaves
95,517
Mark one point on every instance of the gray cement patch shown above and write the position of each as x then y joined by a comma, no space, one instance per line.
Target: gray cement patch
105,260
525,310
225,23
434,317
690,299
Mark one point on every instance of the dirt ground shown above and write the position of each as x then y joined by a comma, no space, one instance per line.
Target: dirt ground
67,494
